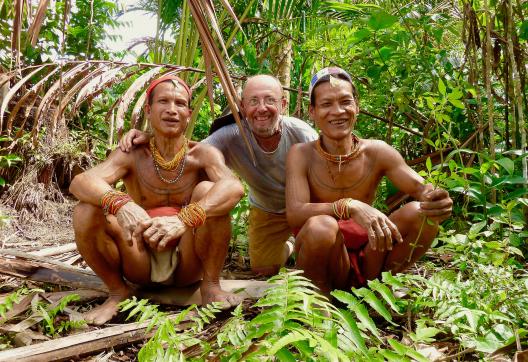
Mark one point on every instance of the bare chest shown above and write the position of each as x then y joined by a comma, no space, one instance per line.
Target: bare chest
152,187
329,181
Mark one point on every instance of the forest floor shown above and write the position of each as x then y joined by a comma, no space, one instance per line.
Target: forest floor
24,233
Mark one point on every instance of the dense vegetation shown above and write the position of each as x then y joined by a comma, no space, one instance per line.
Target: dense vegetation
442,81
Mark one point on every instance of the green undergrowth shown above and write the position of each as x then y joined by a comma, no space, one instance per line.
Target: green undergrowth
471,292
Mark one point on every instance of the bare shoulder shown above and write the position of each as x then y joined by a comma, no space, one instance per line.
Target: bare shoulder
205,154
380,150
299,148
298,155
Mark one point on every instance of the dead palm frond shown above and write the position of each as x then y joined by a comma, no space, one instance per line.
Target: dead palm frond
34,29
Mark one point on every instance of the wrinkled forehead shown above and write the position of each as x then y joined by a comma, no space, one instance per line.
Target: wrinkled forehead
170,85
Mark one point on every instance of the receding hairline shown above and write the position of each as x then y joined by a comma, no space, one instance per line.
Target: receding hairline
257,77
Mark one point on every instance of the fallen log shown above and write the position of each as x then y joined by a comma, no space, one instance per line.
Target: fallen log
81,344
27,266
61,249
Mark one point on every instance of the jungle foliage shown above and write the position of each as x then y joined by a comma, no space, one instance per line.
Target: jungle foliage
442,81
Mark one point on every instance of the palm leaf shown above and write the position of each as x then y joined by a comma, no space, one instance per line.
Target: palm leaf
129,95
59,111
96,84
50,96
28,98
35,26
14,89
17,28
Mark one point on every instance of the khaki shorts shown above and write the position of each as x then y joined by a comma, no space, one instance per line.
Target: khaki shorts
267,233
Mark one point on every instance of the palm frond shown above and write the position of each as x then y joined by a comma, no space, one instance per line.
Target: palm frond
198,13
17,29
15,88
35,26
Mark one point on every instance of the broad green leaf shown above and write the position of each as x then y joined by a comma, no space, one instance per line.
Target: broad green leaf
385,53
441,87
507,164
457,103
381,20
523,30
475,228
284,355
428,164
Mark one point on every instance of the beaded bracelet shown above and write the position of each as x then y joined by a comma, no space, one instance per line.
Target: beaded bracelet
341,208
113,200
192,215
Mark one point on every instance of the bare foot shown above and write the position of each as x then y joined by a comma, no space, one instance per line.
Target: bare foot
211,292
106,311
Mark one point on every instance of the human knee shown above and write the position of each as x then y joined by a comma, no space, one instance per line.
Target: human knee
200,190
320,231
85,217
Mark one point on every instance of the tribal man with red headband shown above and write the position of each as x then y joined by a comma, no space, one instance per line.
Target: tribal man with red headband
342,240
172,225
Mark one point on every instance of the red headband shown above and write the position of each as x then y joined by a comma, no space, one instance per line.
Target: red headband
165,78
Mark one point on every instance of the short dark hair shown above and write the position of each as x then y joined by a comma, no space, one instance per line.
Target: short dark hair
326,78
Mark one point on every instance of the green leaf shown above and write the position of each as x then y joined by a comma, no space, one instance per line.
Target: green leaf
355,334
456,103
288,339
523,30
441,87
374,302
507,164
429,164
386,293
381,20
407,351
385,53
364,317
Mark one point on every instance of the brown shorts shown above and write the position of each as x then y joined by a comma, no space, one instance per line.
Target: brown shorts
267,233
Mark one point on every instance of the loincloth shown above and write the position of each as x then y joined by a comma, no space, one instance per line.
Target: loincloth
163,263
355,239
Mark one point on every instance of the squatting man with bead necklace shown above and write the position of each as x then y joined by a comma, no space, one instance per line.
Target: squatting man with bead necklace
342,240
172,225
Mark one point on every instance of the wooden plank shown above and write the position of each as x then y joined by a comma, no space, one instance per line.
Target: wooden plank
80,344
27,266
61,249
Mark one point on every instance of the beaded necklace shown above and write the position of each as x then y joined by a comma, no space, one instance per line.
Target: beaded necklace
176,160
176,164
355,151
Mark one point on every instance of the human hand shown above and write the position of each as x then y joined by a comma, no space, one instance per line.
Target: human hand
436,205
129,216
131,138
160,232
380,229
